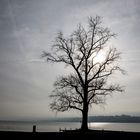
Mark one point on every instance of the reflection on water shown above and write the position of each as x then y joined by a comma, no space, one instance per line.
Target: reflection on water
133,127
97,125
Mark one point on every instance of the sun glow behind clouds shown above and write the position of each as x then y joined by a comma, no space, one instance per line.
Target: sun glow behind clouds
100,57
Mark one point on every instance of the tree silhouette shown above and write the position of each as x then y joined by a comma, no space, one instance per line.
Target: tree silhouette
87,83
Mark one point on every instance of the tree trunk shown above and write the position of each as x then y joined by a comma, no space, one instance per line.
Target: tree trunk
84,125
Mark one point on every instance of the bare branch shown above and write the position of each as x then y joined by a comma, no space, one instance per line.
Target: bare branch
70,82
88,82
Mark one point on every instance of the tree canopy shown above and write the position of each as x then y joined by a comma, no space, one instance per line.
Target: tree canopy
88,82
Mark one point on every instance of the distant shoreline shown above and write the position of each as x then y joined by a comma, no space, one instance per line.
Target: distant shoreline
113,119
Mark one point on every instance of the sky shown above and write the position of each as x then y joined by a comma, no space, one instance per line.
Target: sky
29,27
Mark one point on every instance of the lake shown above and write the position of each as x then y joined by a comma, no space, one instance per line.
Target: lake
55,126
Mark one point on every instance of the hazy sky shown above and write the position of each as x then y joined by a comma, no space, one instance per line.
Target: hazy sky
27,27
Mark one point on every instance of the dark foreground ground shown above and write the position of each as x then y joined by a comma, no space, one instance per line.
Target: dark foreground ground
73,135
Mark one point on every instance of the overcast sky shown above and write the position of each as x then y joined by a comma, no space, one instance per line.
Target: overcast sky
27,27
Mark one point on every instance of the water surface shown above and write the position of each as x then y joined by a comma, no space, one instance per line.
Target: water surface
56,126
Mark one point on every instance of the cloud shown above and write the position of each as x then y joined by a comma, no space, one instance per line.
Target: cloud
29,27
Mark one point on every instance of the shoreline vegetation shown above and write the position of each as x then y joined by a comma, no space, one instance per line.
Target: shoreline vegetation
71,134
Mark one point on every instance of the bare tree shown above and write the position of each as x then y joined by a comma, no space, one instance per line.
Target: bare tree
87,83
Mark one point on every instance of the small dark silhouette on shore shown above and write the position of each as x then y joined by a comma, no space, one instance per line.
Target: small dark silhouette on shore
34,128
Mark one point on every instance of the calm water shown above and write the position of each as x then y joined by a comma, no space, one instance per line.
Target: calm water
55,126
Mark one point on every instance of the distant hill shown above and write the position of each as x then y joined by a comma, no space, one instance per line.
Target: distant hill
122,118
